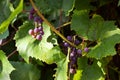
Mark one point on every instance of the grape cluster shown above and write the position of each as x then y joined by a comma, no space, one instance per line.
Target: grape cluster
32,13
74,53
37,32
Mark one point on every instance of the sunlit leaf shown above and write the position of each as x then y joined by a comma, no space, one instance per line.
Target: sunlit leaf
62,69
6,67
42,50
5,24
88,71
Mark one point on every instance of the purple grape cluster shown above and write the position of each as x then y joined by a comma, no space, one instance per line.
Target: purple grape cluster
74,53
31,14
37,32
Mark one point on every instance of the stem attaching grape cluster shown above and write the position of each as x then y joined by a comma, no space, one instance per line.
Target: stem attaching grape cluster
37,32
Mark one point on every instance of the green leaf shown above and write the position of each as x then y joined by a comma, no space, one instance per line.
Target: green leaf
5,24
6,67
4,8
48,6
91,29
24,71
4,35
62,69
80,22
42,50
83,4
119,3
105,33
67,8
98,28
88,71
106,46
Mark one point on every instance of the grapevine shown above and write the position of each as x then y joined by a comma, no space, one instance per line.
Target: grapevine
60,40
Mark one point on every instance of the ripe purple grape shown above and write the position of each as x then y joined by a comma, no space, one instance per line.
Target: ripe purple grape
40,28
39,37
79,53
32,11
31,32
31,16
73,58
72,71
73,63
41,32
36,30
66,44
69,38
38,19
72,54
77,42
86,49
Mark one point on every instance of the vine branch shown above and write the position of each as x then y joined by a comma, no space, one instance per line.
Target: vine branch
65,24
12,53
50,25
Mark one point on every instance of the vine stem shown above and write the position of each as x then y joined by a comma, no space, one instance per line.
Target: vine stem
49,24
65,24
12,53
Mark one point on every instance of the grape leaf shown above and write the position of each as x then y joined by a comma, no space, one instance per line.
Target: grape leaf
4,8
105,33
83,4
88,71
80,22
5,24
62,69
6,67
68,7
24,71
42,50
48,6
91,29
98,28
106,46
